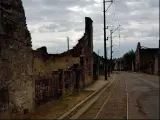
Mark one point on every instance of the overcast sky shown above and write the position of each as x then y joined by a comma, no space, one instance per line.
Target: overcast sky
51,21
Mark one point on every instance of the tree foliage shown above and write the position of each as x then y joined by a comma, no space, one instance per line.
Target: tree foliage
128,59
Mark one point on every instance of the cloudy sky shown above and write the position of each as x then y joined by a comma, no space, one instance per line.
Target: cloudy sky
51,21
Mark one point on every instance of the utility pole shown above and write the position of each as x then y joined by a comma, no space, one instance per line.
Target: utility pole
98,62
110,63
105,52
98,52
105,55
111,52
68,42
159,60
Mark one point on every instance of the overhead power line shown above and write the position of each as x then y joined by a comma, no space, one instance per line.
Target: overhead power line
105,49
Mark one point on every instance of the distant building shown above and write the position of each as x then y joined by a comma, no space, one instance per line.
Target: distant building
146,59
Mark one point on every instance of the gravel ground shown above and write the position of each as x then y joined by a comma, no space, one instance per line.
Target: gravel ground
115,108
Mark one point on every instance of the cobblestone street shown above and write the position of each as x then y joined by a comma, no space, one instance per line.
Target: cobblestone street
115,102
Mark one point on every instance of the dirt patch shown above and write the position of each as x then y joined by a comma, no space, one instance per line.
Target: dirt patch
55,109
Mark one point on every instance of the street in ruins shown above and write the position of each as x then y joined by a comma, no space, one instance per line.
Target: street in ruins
131,96
79,59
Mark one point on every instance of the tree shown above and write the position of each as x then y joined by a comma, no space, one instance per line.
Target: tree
128,60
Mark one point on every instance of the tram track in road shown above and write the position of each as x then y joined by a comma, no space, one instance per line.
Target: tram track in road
106,101
87,106
104,106
126,89
128,97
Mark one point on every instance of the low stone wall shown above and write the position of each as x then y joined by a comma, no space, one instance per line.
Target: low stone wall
61,83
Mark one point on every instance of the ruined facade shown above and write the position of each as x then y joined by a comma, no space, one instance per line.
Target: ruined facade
16,82
58,75
21,67
146,59
45,64
156,64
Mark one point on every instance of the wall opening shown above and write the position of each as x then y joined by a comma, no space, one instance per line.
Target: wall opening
4,99
25,111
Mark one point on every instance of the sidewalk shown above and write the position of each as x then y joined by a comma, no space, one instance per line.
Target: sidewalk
97,85
55,109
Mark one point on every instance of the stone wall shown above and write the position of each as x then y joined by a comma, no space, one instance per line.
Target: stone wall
156,65
146,59
88,51
137,60
15,57
20,65
45,64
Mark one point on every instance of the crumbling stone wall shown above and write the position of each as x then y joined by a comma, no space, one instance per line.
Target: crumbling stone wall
156,65
88,51
15,57
45,64
146,59
137,59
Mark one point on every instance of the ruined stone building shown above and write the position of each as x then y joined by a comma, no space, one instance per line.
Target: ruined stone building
50,80
146,59
16,83
21,67
45,64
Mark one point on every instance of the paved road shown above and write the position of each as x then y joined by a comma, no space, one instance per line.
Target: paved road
132,96
143,95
